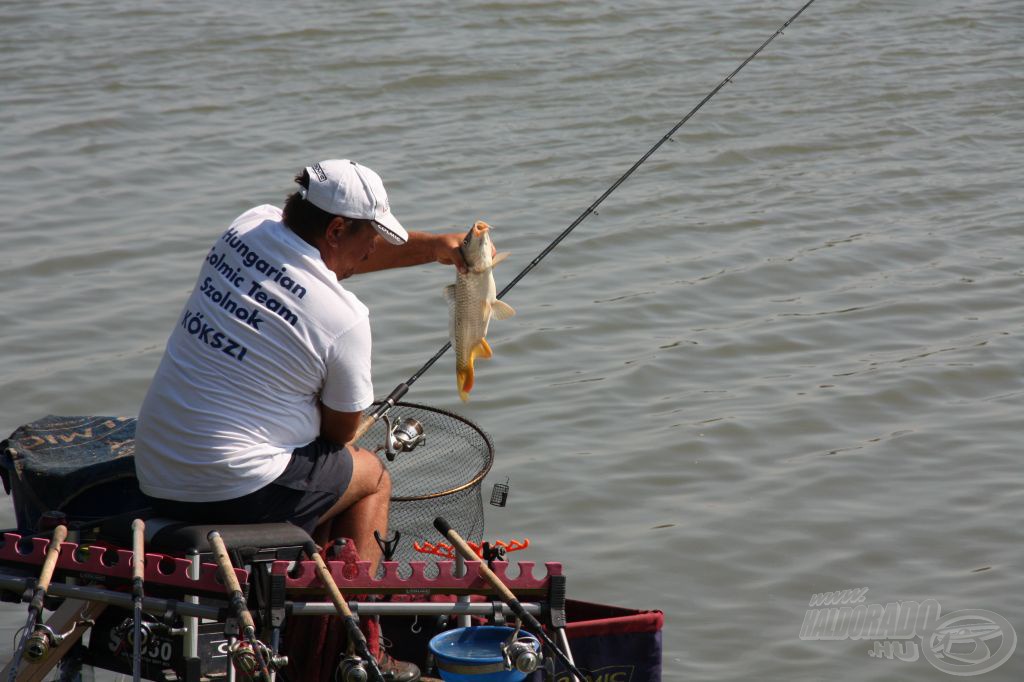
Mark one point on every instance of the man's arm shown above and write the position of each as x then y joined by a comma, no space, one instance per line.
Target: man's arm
422,247
338,427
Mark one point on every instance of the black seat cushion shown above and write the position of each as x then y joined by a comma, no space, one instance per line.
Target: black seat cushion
170,536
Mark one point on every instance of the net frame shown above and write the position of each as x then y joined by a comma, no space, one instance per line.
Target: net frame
442,477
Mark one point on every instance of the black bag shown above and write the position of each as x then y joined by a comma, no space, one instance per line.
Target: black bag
83,466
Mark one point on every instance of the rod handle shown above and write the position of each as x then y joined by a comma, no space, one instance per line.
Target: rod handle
328,580
365,425
469,555
355,635
60,534
227,574
138,549
442,525
382,409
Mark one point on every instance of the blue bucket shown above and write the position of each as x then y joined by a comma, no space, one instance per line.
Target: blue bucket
474,655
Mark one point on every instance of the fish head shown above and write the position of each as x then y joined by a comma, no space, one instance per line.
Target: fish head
476,247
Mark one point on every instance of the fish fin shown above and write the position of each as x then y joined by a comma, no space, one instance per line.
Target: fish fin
449,293
499,257
464,380
483,350
501,310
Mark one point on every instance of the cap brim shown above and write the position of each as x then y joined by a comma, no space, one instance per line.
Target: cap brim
390,229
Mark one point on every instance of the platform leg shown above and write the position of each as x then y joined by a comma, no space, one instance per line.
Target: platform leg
563,643
460,570
191,644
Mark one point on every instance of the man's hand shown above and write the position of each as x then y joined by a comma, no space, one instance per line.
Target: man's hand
422,247
448,250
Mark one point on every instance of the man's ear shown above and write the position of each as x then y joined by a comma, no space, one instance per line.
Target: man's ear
335,230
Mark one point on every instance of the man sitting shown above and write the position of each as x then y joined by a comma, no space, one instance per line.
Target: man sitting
267,372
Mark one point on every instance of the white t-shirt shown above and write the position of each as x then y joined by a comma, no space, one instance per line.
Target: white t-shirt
267,333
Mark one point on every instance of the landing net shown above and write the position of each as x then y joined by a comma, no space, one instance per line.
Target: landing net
440,477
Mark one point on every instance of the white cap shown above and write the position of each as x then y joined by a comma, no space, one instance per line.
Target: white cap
346,188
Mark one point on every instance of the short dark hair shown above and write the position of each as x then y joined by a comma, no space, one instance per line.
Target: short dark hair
302,217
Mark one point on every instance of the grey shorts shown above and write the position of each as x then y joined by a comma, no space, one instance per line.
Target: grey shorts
315,478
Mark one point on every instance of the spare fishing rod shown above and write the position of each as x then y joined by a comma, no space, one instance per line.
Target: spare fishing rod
138,578
507,596
351,668
403,387
247,652
38,634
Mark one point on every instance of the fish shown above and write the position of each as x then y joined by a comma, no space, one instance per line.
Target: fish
472,304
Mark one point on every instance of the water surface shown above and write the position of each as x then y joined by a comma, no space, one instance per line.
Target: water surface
783,359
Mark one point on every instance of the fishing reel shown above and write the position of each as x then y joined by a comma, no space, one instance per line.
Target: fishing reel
147,628
126,631
43,639
243,656
39,643
404,436
521,652
352,669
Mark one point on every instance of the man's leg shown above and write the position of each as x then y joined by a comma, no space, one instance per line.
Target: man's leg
362,509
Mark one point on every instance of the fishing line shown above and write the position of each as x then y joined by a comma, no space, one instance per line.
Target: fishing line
403,388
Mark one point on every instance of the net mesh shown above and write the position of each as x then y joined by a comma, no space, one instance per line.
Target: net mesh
440,477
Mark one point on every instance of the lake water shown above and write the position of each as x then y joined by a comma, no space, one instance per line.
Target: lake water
784,359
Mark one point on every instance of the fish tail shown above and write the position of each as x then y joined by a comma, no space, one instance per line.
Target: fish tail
464,375
464,380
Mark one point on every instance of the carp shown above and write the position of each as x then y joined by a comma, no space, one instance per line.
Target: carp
472,304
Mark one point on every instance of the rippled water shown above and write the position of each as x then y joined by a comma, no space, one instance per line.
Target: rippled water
785,358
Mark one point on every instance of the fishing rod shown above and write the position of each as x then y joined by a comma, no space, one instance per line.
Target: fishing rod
445,529
138,576
351,668
40,643
247,652
403,387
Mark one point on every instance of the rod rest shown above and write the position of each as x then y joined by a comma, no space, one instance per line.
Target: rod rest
353,576
351,573
114,562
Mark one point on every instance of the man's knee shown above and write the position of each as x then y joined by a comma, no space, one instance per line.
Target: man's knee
369,474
